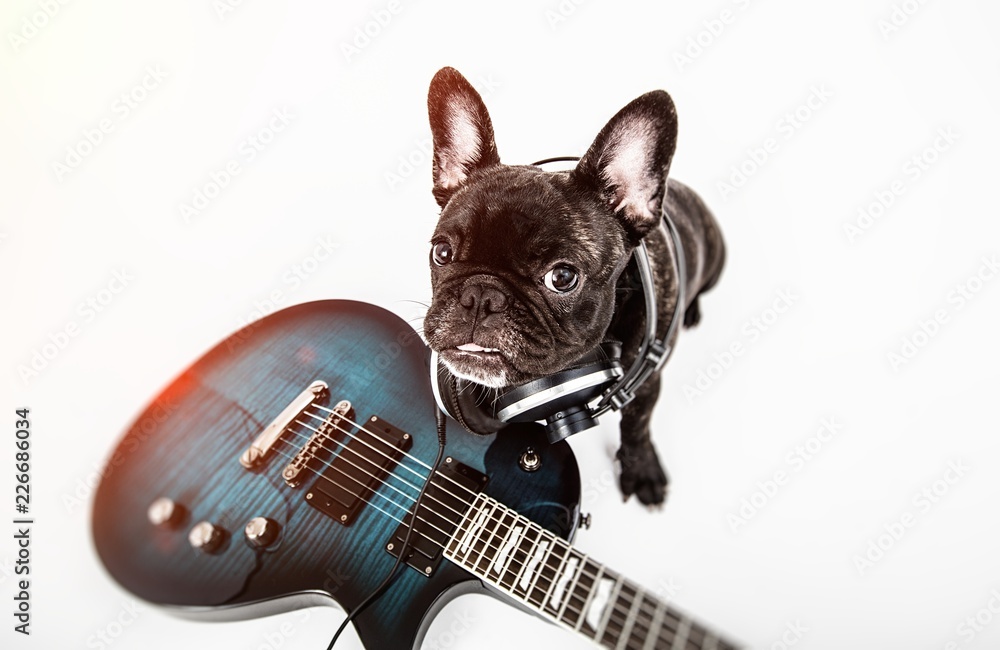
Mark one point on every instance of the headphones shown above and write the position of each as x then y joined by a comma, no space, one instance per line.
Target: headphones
563,401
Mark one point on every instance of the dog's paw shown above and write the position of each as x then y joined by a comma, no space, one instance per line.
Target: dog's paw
642,475
692,315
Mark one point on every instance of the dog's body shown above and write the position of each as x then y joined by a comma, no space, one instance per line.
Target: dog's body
527,265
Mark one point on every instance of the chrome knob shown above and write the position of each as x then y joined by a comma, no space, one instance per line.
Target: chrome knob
165,512
261,532
530,460
206,537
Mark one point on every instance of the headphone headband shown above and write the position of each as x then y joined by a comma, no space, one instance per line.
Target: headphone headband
563,399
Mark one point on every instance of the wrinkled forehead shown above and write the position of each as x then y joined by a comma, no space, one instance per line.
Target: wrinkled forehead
525,214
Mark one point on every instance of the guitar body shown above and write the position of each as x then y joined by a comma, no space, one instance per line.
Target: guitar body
186,446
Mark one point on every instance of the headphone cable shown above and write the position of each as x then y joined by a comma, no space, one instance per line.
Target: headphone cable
388,580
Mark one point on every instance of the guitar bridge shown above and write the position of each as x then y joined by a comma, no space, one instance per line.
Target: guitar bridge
441,511
338,420
264,444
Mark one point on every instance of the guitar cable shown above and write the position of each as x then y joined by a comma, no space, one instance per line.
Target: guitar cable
388,580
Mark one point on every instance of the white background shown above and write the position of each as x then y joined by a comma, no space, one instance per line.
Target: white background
552,74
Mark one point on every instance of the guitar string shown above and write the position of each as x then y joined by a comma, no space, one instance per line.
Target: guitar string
410,456
423,478
392,474
487,545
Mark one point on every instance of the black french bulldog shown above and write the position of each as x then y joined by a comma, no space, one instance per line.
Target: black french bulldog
526,265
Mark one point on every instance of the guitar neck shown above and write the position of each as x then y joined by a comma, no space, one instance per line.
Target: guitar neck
539,569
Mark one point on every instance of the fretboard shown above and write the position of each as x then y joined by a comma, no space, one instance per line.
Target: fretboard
542,571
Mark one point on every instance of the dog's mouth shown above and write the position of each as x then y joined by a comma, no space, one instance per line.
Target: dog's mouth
472,347
483,365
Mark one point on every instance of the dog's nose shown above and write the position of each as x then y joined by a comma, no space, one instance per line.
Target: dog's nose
489,300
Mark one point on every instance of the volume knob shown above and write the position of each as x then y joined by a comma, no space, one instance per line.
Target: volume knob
261,532
206,537
165,512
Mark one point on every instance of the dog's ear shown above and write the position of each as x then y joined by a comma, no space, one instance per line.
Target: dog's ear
628,162
463,133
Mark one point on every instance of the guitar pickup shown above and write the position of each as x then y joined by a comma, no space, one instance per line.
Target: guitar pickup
348,483
441,512
264,444
321,443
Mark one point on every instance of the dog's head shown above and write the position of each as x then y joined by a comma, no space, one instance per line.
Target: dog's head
524,262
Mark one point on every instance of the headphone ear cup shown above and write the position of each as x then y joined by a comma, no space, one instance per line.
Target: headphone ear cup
572,387
462,400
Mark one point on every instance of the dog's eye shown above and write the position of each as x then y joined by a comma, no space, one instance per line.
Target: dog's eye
561,279
441,253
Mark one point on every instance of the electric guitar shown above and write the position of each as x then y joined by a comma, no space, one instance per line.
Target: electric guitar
280,471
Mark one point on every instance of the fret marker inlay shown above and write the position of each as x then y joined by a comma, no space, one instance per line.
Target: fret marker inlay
600,600
568,573
499,564
473,530
536,559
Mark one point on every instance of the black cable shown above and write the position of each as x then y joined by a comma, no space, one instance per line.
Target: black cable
556,159
439,420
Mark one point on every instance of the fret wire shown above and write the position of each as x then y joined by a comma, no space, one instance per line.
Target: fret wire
564,584
590,596
555,579
527,556
671,631
682,634
463,526
603,624
553,540
538,571
569,589
542,533
659,609
486,536
505,551
633,611
585,586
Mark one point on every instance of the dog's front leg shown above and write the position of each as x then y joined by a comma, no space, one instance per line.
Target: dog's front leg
642,474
